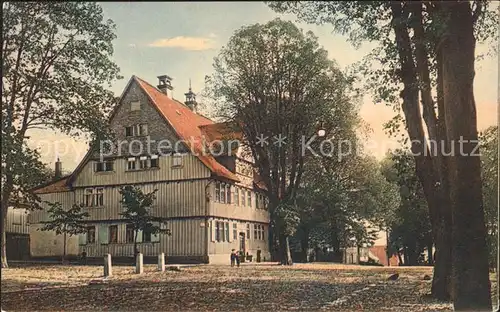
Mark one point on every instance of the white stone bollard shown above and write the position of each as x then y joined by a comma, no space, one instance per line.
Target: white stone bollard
107,266
161,262
139,267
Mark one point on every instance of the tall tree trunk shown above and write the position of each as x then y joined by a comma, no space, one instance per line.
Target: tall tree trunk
425,170
4,240
470,254
64,248
430,258
286,256
400,258
304,244
6,192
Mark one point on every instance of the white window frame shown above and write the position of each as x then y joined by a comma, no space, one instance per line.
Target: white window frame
157,159
222,193
142,129
107,164
99,197
95,235
236,196
88,197
217,231
177,160
217,191
129,161
135,105
228,193
235,231
143,162
227,232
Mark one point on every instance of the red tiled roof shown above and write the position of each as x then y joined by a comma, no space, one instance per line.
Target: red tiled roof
187,125
54,187
220,131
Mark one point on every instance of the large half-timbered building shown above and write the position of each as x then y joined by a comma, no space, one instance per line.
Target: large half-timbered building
211,204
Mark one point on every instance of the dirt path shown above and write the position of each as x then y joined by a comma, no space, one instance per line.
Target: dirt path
308,287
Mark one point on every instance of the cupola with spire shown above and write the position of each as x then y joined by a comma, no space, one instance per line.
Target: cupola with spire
191,99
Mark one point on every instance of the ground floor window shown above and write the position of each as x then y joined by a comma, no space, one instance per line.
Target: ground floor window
129,233
91,234
113,234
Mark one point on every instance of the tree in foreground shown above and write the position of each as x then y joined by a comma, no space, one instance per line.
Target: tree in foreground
489,168
65,222
417,43
56,66
137,212
409,225
277,85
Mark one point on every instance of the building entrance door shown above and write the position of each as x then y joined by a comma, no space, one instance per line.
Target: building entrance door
242,241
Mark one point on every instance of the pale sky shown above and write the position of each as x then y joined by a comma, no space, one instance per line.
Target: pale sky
181,39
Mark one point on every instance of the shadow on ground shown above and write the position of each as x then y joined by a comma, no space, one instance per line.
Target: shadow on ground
226,289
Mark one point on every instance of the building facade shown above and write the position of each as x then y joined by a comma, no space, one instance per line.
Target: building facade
211,203
17,233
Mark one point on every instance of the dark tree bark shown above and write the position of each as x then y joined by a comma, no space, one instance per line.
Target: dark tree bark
425,165
286,256
304,244
6,192
470,254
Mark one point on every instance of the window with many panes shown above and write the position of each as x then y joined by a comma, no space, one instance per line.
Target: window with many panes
237,196
255,235
222,192
221,229
129,233
227,231
143,162
248,230
146,236
217,191
103,166
91,234
217,231
243,198
88,197
113,234
177,160
153,161
235,231
249,199
136,130
131,163
228,194
93,197
99,197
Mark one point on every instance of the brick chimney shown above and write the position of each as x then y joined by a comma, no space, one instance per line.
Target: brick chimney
165,84
58,169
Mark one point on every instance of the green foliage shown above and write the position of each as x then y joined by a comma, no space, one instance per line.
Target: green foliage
338,201
65,221
272,79
137,208
489,175
56,68
371,22
409,223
